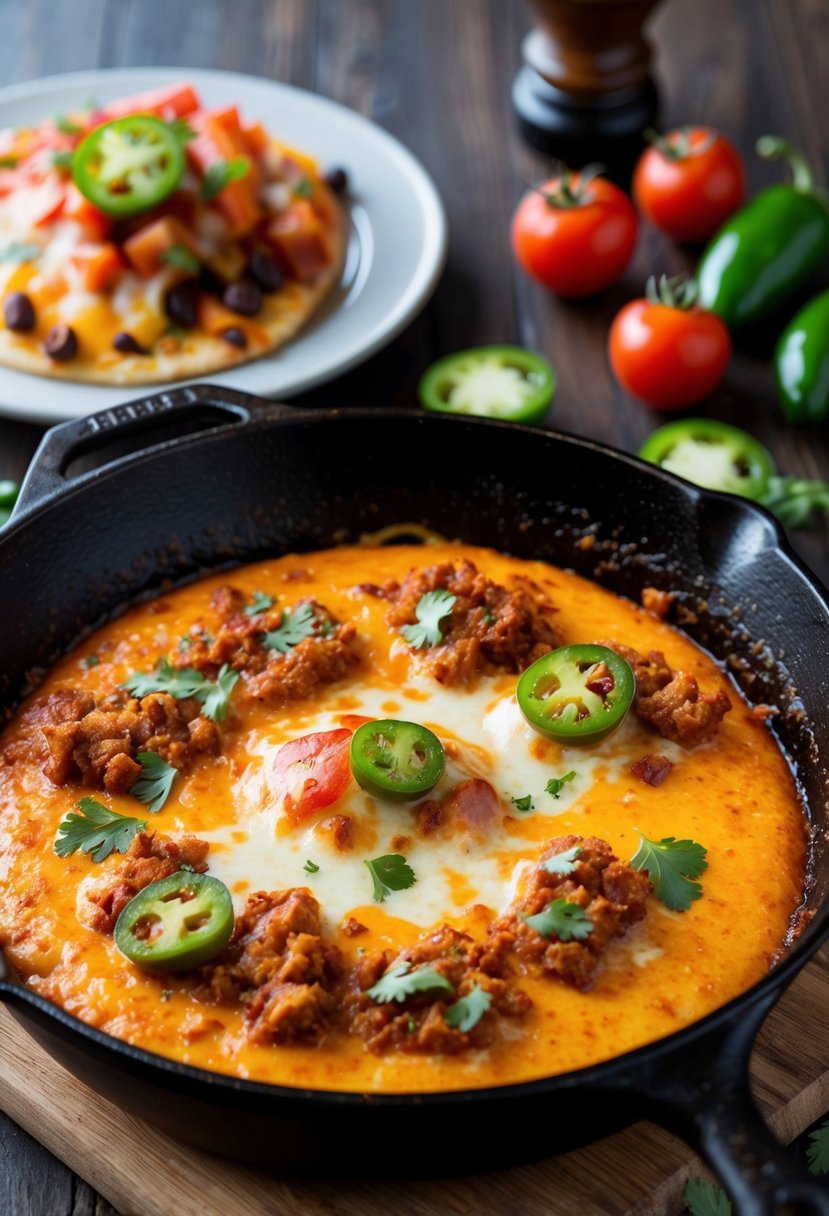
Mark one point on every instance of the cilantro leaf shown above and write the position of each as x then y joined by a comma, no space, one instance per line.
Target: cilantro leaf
66,126
91,660
182,128
703,1198
566,920
303,188
9,162
221,173
817,1154
183,682
556,784
793,499
62,160
523,804
97,831
468,1010
296,626
562,863
401,981
181,257
19,251
390,873
260,603
430,611
155,782
671,865
311,867
217,701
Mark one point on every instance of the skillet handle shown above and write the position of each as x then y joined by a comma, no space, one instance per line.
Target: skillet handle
200,404
702,1093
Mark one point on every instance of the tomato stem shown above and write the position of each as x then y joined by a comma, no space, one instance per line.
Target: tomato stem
676,292
772,147
570,192
676,145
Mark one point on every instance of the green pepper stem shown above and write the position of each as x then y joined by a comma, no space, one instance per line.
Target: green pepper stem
773,147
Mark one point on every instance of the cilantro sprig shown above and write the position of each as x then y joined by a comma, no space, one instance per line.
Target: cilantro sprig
672,866
184,682
181,258
182,129
156,781
523,804
793,499
260,603
562,863
97,831
566,920
297,624
704,1198
556,784
401,982
467,1011
391,872
221,173
817,1154
432,608
66,126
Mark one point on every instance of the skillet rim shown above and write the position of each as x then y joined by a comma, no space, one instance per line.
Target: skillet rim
266,415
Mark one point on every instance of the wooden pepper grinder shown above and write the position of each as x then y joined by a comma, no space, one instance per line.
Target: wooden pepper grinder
585,92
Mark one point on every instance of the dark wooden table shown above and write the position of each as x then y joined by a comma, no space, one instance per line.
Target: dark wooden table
437,74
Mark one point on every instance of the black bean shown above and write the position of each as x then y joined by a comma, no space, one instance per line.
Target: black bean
127,345
244,298
337,180
61,343
180,303
235,336
18,312
265,272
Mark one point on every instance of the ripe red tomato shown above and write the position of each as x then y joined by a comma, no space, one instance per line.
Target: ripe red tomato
689,183
668,356
575,234
311,772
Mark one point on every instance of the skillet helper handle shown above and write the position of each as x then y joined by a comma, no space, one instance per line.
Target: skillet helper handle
702,1093
47,474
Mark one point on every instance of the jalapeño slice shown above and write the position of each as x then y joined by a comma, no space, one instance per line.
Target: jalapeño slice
129,164
506,382
711,454
177,923
397,760
577,694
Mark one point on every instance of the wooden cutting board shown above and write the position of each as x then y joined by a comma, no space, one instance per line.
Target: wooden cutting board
640,1171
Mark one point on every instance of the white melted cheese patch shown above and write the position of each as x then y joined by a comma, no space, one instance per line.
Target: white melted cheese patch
492,741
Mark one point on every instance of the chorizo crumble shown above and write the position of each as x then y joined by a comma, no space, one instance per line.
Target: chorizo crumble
672,701
490,628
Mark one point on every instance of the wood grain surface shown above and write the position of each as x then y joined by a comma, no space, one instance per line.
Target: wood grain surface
640,1171
437,75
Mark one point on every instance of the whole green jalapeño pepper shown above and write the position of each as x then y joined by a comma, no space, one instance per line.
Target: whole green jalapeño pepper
769,249
801,363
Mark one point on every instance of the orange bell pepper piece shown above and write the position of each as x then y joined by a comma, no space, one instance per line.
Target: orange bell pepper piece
98,263
215,142
79,209
146,247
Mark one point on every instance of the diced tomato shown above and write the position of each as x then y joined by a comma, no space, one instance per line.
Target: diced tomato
145,247
170,101
79,209
311,772
214,142
229,119
299,240
99,264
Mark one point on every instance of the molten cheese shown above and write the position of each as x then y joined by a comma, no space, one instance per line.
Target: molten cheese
734,794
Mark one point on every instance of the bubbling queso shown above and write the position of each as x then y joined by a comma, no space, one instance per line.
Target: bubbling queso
394,819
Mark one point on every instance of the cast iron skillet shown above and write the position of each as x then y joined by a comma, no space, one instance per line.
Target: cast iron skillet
257,479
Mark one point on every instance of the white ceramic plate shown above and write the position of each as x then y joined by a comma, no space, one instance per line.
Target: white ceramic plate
396,248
